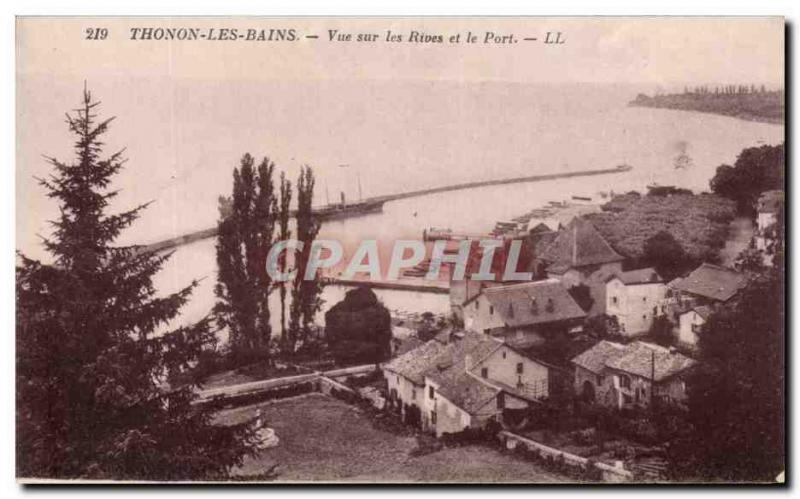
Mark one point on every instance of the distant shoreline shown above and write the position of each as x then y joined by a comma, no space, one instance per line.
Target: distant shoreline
760,107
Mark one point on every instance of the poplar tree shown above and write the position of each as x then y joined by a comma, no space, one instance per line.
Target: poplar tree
284,233
243,242
306,301
92,394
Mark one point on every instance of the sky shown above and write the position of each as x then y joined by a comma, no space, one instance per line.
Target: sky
630,50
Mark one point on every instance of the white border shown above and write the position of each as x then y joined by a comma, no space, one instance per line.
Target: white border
319,7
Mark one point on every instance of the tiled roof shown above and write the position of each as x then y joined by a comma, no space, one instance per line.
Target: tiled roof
595,358
639,276
408,344
675,283
536,302
637,358
646,360
413,364
703,311
770,202
712,281
578,245
450,372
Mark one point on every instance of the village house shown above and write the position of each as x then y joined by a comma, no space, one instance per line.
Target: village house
769,205
635,375
579,255
465,381
635,298
690,323
691,299
525,314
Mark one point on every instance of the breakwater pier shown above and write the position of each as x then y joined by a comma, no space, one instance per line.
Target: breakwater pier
372,202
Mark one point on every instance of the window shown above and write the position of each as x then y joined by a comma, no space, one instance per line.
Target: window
644,298
599,380
476,304
519,367
491,310
433,417
504,354
501,401
626,398
430,392
413,394
624,381
614,300
484,372
695,328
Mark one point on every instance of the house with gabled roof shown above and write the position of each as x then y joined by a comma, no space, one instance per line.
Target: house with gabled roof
524,314
580,255
635,298
708,284
690,323
638,374
691,299
464,383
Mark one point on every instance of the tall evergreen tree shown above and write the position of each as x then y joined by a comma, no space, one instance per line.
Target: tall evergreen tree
243,241
284,233
306,301
92,397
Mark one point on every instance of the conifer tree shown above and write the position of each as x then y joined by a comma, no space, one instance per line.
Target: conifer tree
243,242
93,399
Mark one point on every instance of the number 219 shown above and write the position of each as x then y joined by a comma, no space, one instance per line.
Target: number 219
96,33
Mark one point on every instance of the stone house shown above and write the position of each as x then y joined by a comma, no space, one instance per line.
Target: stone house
635,375
465,383
635,298
524,314
690,323
704,289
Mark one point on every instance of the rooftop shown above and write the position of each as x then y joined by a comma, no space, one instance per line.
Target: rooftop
536,302
456,384
639,276
595,358
711,281
413,364
641,359
578,245
703,311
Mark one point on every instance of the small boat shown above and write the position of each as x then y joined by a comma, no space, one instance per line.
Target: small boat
433,234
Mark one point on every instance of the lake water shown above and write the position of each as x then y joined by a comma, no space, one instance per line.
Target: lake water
397,136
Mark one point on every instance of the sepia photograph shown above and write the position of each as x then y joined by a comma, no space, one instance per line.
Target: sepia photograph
400,250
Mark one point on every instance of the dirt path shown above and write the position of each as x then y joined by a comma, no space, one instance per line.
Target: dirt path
740,232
